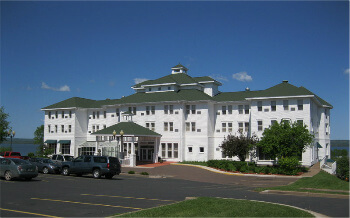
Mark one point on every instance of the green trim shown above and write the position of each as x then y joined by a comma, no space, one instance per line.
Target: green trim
51,141
64,141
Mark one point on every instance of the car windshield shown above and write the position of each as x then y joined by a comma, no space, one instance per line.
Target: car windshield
20,162
49,161
15,154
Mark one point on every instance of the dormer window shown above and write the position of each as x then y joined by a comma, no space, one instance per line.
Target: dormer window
159,88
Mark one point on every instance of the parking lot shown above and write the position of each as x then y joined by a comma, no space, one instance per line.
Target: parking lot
71,196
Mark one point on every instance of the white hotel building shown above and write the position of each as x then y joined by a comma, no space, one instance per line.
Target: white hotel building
182,118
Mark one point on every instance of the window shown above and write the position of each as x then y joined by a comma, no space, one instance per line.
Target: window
55,128
300,122
70,114
147,110
326,113
149,89
223,110
327,129
65,148
132,110
259,105
273,105
93,115
190,109
93,128
153,110
240,109
62,114
171,109
201,149
223,125
62,128
98,114
49,114
260,125
151,126
273,122
87,151
169,87
49,128
229,109
226,127
166,109
104,114
246,109
300,105
170,150
190,149
168,126
56,114
240,127
285,105
190,126
246,126
97,127
70,128
159,88
104,126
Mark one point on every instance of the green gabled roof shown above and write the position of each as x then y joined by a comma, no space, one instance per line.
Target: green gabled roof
182,95
179,79
129,128
205,79
74,102
179,66
235,96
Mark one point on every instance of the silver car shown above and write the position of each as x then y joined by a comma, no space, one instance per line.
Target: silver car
45,165
17,168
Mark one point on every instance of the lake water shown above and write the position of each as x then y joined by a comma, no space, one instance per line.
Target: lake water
24,149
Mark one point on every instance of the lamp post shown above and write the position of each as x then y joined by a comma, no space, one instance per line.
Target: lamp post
121,139
11,134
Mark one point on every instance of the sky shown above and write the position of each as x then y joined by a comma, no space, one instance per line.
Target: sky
52,51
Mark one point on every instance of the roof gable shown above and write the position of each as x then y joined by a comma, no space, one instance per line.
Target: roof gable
129,128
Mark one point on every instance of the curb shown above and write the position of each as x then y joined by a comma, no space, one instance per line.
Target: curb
237,174
308,194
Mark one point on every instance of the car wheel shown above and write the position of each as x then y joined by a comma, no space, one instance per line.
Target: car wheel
96,173
45,170
109,176
65,171
8,176
28,179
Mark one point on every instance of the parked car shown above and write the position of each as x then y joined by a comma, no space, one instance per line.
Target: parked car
17,168
45,165
59,158
97,165
12,154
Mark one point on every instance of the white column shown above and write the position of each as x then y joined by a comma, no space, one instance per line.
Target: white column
132,153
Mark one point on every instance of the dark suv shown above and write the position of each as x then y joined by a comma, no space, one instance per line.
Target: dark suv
97,165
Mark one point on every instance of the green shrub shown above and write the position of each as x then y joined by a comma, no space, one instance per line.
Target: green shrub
144,173
288,165
31,154
343,168
131,172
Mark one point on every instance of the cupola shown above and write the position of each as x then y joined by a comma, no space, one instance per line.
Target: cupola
179,69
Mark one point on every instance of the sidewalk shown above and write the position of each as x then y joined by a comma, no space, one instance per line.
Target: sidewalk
312,171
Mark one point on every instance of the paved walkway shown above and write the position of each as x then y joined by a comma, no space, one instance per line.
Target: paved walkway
313,170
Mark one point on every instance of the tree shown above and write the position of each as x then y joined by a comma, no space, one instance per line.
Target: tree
39,140
285,140
238,145
4,124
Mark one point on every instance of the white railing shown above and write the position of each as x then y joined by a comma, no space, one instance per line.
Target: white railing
334,167
125,162
323,161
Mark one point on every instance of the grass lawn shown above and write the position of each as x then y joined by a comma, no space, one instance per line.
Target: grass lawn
217,207
322,180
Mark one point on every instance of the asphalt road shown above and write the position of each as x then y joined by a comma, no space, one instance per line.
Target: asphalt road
56,195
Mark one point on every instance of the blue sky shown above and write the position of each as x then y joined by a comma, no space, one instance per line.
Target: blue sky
51,51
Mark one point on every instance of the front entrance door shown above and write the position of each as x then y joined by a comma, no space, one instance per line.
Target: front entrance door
146,154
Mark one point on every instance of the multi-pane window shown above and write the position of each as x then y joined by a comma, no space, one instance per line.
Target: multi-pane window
132,110
65,148
170,150
260,125
259,105
246,109
151,126
148,110
153,110
190,126
88,150
93,115
226,127
285,105
229,109
168,126
70,114
273,122
56,114
300,105
240,109
190,109
93,128
246,126
223,110
97,127
69,128
240,127
273,105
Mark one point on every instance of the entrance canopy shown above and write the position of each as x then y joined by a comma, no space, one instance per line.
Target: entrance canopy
129,129
51,141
